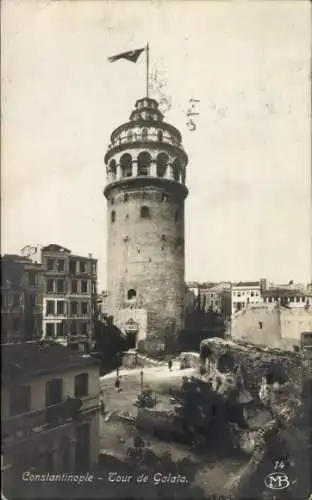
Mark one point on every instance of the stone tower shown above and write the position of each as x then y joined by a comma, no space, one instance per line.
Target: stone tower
145,192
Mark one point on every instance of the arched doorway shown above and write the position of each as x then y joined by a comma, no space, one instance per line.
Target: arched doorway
131,330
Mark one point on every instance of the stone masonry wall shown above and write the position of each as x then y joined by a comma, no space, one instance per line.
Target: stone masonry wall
147,255
281,327
245,325
256,362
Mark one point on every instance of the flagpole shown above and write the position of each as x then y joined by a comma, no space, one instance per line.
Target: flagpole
147,68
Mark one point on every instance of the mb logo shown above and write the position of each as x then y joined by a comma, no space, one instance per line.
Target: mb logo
277,481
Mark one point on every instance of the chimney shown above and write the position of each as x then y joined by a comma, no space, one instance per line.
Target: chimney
90,255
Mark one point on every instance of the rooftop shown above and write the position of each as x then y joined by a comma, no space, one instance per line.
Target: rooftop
280,292
27,360
55,248
246,284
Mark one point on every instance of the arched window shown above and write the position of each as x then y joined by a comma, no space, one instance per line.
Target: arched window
176,169
144,212
131,294
144,134
113,216
126,165
160,135
144,161
129,135
112,168
161,163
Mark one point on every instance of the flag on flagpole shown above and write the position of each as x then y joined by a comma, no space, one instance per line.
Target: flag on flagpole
131,55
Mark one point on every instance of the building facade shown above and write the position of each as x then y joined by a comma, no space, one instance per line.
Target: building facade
21,298
32,252
145,192
70,297
292,298
244,293
49,412
216,298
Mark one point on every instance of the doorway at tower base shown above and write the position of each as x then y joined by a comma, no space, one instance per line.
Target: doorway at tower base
135,324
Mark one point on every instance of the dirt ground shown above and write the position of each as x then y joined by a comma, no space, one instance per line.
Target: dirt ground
212,474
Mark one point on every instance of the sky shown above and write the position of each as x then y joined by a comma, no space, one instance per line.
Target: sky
248,213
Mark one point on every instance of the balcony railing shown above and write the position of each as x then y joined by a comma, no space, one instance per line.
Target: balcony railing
27,424
166,139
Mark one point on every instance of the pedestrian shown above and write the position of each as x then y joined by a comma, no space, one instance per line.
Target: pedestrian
117,384
170,365
102,407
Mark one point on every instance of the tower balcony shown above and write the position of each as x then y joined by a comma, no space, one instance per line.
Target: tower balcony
148,137
151,141
147,163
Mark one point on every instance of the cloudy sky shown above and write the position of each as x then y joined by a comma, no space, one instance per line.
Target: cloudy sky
248,209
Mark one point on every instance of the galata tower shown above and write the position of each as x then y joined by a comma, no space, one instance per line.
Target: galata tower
145,192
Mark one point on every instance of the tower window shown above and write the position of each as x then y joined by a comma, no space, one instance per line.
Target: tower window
144,212
112,168
161,164
176,169
126,165
160,135
131,294
144,161
144,134
113,216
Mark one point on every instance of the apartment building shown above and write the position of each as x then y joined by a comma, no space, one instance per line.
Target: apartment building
70,297
50,413
288,297
216,298
21,298
244,293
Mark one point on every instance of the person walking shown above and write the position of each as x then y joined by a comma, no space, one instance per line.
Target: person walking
170,365
117,384
102,407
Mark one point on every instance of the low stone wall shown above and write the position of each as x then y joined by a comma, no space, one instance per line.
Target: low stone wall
132,359
189,359
153,421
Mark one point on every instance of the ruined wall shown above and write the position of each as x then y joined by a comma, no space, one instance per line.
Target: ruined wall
256,362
